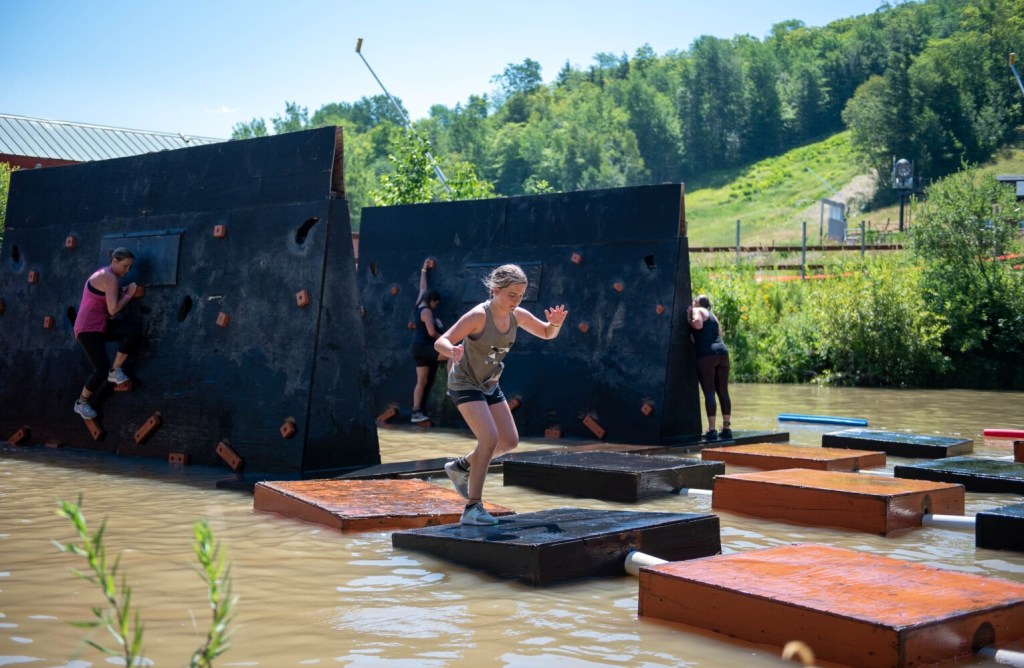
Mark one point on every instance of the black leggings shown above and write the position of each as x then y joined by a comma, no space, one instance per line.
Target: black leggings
95,346
713,374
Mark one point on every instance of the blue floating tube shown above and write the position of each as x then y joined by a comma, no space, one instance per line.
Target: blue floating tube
823,419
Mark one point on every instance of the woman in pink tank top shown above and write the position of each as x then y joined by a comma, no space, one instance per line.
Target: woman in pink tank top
95,326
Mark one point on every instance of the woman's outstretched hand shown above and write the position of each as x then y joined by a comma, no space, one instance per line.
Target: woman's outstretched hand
556,315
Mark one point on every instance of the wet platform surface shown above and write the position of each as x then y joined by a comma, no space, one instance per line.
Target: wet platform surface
612,476
552,546
850,607
975,474
364,505
855,501
898,444
774,456
422,468
1000,528
425,468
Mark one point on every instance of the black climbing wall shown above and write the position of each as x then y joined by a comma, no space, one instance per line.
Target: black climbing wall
631,372
229,233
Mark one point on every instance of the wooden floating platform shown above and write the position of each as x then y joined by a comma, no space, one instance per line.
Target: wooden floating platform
612,476
898,444
739,437
1000,528
835,498
851,608
567,543
774,456
364,505
975,474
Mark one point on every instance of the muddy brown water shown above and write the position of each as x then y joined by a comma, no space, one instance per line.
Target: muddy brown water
311,596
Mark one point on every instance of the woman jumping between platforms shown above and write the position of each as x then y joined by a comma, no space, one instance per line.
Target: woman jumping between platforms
477,344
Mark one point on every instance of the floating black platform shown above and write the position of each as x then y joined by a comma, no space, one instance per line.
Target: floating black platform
1000,528
975,474
612,476
898,444
551,546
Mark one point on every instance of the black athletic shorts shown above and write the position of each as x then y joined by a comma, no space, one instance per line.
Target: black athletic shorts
465,396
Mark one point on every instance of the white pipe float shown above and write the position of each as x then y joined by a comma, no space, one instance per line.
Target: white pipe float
957,522
693,491
636,559
1003,656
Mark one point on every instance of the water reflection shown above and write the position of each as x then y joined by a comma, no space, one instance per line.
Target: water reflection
314,596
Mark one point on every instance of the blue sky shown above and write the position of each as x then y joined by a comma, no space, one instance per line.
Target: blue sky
201,66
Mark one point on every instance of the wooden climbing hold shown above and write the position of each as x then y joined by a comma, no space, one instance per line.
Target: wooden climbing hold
48,322
178,458
33,277
302,298
70,242
220,231
647,407
288,429
148,427
95,430
577,258
230,457
593,426
389,412
223,319
20,436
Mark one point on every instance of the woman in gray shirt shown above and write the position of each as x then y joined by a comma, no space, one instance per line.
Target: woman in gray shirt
477,345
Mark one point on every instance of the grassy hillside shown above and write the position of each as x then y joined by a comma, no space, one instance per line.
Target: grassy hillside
772,197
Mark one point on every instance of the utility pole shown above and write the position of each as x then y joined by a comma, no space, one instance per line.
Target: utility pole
408,124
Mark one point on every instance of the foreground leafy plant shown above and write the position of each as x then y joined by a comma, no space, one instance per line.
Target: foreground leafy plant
119,618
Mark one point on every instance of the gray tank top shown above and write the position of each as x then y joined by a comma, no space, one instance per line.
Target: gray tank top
481,363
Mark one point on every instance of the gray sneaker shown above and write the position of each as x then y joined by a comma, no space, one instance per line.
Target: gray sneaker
419,416
117,376
475,515
459,478
85,410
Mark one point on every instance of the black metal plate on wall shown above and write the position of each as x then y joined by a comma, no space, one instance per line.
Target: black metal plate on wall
156,255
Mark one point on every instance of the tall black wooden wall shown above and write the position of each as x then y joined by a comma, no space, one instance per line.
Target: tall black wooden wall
225,237
631,371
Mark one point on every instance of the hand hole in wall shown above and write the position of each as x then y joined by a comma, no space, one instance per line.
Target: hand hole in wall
373,268
72,314
15,253
303,231
186,307
649,261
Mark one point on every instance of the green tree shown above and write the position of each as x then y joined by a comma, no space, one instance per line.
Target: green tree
964,225
414,178
257,127
5,189
295,118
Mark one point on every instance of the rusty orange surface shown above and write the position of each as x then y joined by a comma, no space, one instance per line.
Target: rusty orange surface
835,498
364,505
773,456
850,607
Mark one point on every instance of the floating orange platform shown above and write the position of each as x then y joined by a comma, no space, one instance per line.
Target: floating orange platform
835,498
851,608
774,456
364,505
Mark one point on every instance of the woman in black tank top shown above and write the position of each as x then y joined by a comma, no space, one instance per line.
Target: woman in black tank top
428,328
712,365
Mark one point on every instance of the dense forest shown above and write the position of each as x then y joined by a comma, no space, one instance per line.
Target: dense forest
927,81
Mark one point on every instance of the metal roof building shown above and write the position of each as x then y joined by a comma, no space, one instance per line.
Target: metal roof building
36,142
